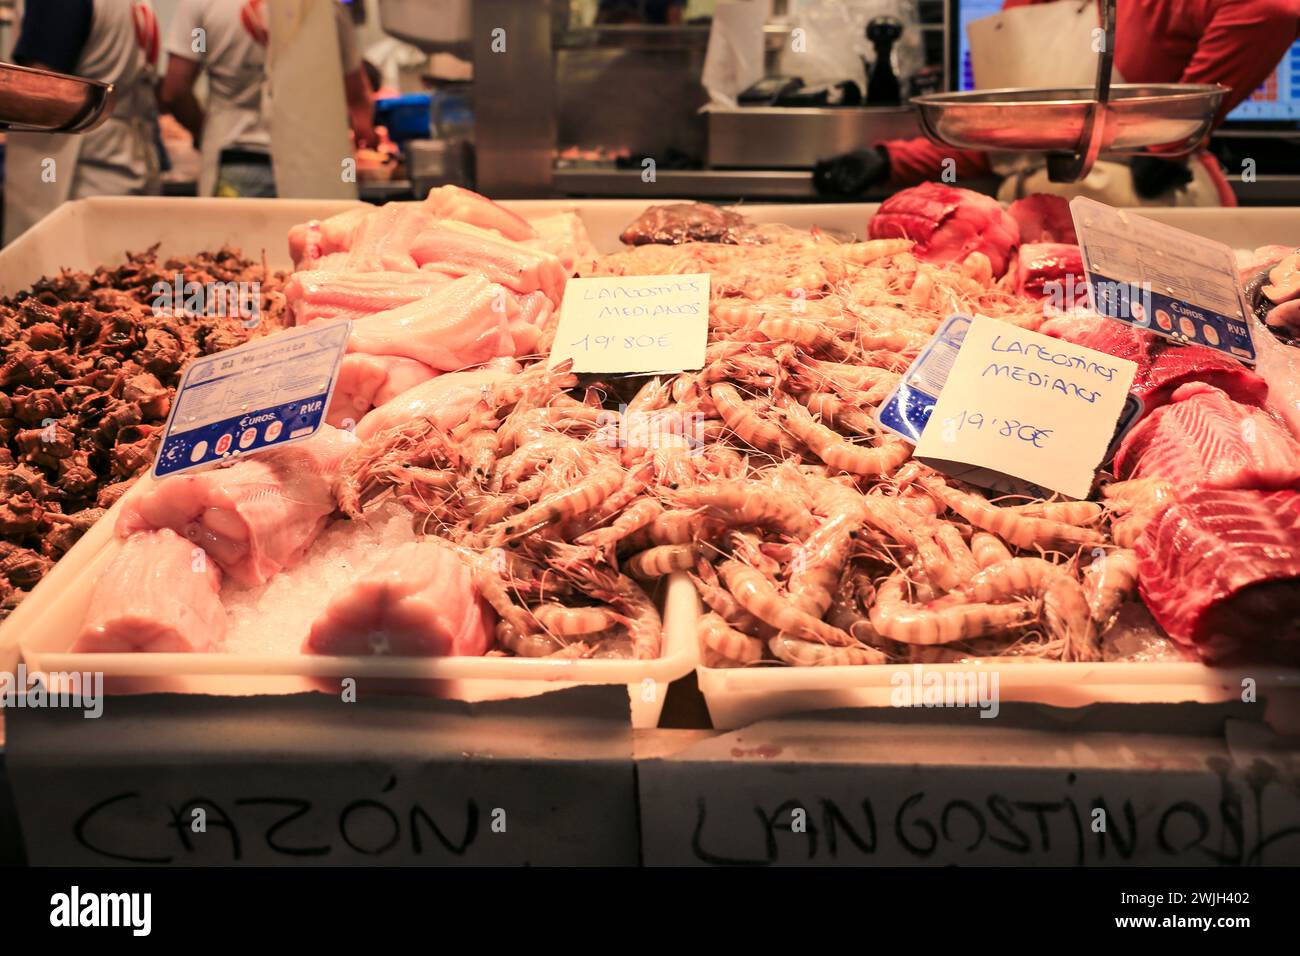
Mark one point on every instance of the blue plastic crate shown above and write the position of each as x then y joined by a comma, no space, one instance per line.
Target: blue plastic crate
406,117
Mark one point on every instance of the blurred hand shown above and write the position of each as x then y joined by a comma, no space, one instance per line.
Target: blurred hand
1153,176
363,131
851,175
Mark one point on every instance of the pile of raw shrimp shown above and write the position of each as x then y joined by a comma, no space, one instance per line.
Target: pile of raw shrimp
812,536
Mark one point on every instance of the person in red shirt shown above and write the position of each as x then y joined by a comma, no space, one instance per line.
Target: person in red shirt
1234,42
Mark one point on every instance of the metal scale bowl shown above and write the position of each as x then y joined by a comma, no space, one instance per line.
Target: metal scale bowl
1073,125
45,102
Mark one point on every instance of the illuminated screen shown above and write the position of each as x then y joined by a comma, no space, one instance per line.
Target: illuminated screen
1277,99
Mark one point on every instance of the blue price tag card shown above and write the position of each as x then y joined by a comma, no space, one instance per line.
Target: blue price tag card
909,405
265,394
1162,279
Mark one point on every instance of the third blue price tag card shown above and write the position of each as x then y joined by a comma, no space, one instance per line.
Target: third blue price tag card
1166,280
264,394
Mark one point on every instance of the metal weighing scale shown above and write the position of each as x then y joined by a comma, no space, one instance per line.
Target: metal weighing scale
1073,125
40,101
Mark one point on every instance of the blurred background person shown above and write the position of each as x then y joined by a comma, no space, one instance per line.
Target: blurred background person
228,39
1234,42
112,41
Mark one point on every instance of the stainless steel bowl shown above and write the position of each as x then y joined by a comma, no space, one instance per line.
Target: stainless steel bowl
40,101
1172,115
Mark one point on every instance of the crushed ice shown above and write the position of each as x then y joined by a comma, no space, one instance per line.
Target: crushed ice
275,617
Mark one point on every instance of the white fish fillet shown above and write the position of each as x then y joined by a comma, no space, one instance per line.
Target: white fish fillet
254,518
464,324
446,400
368,381
160,594
418,601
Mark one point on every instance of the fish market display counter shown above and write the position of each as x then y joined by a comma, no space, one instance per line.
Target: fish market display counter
272,756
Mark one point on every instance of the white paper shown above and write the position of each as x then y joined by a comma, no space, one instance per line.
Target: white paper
1028,405
631,324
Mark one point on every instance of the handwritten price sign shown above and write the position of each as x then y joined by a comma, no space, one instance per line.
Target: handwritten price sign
634,324
1022,404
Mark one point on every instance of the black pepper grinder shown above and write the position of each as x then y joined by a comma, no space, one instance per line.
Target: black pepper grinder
883,88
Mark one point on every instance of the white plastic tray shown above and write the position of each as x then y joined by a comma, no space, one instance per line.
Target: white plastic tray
43,628
740,696
82,235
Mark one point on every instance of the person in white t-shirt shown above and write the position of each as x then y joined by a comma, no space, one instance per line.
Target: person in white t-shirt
228,40
112,41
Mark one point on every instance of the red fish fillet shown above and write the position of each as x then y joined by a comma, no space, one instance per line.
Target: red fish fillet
326,294
257,516
1220,571
1203,439
456,249
161,594
418,601
948,224
1162,365
1043,217
1058,263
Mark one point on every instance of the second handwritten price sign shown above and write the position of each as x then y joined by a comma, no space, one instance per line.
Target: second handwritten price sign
631,324
1026,405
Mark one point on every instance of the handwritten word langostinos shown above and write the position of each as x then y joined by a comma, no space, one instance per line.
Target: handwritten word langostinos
625,325
1063,359
1035,379
641,292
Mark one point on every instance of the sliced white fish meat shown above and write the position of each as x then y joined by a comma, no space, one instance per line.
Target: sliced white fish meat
1284,279
329,294
368,381
418,601
463,205
458,249
463,324
160,593
255,517
382,241
309,242
565,236
445,401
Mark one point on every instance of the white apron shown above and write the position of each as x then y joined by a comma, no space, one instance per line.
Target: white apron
222,124
1040,45
43,170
